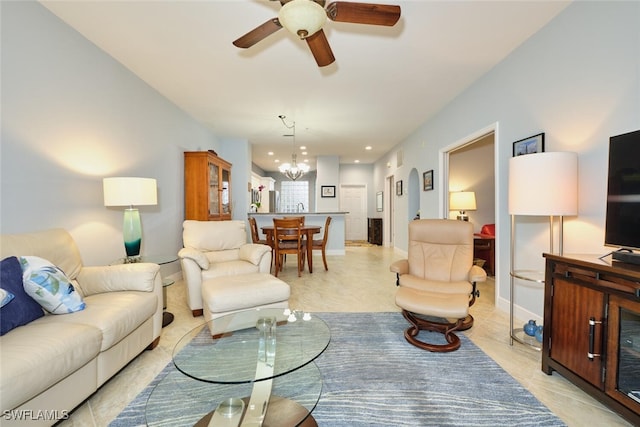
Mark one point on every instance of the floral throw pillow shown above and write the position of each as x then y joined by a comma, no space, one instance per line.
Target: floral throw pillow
5,297
49,286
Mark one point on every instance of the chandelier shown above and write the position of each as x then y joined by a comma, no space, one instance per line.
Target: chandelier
293,170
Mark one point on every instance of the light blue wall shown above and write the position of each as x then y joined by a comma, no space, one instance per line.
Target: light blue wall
72,115
577,80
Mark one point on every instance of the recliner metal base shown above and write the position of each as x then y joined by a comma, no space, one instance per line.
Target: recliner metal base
421,324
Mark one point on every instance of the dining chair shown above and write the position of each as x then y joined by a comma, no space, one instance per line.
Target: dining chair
288,239
299,218
321,244
255,236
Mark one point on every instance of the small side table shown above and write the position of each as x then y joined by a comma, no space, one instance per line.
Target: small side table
167,317
484,247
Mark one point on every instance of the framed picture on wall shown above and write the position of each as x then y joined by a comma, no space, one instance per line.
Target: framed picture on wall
533,144
327,191
427,180
399,188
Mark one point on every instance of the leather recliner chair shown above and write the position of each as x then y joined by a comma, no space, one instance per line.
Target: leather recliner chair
438,280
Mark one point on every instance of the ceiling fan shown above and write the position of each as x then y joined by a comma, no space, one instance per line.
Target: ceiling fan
305,19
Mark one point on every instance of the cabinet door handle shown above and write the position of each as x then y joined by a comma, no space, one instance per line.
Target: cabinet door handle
592,337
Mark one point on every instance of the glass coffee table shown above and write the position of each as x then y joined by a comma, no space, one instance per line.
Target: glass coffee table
259,373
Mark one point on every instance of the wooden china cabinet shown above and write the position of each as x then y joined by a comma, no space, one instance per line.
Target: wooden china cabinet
207,186
592,329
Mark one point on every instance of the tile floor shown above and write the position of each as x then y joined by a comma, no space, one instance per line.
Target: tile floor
358,281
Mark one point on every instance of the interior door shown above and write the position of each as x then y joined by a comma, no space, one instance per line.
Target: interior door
353,199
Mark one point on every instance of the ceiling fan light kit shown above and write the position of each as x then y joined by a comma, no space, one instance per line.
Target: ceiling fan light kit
302,18
305,19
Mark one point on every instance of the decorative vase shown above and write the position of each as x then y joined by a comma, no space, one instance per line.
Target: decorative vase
539,334
530,328
132,232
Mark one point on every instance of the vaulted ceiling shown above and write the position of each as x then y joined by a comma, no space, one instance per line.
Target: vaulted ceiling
385,82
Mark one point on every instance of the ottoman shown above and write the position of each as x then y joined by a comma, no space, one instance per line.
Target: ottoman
227,294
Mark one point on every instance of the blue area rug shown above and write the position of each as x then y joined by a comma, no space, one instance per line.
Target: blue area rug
373,377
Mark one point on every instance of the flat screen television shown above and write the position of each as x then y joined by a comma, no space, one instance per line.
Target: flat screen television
622,227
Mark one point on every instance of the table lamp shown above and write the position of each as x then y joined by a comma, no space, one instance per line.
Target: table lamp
128,191
462,201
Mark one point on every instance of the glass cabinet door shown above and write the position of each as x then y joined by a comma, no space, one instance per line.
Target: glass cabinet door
226,205
214,190
623,373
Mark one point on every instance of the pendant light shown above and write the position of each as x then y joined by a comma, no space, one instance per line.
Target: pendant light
293,170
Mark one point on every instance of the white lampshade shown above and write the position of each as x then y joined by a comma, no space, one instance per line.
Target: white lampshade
544,184
462,201
128,191
302,17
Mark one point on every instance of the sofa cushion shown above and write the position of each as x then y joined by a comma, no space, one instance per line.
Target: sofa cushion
214,235
116,314
49,286
38,355
228,268
56,245
243,291
22,309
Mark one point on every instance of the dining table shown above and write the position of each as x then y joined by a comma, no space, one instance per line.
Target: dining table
307,230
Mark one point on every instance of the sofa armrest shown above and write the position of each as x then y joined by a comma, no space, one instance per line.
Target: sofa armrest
477,274
198,257
400,267
254,252
113,278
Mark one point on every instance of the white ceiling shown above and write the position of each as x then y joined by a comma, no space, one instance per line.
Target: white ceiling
385,83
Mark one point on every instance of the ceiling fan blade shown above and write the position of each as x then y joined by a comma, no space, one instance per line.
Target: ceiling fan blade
363,13
320,48
257,34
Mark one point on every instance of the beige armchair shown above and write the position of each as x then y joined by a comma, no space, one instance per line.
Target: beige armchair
215,249
438,280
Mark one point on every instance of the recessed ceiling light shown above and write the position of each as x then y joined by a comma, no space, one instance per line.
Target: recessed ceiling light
270,153
277,161
302,147
306,160
304,153
368,147
356,161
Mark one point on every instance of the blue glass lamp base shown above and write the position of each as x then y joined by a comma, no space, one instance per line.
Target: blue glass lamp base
132,232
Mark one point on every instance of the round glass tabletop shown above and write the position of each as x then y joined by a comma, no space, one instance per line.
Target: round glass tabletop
231,357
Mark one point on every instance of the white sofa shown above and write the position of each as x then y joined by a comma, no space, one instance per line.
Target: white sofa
214,249
57,361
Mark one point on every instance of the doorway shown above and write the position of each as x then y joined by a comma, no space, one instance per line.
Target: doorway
388,210
469,165
353,199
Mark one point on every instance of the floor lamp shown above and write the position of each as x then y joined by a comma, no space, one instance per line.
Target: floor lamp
541,184
127,191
